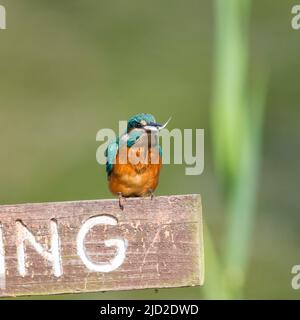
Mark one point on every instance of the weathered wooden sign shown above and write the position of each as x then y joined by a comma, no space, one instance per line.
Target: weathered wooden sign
86,246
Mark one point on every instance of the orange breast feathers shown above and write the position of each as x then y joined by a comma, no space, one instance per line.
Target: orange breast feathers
139,175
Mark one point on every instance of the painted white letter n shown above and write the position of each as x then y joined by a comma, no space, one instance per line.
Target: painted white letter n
53,256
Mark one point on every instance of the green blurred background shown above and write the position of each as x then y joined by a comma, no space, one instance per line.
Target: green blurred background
70,68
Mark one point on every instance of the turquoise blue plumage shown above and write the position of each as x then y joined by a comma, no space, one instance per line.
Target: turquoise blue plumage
135,178
132,137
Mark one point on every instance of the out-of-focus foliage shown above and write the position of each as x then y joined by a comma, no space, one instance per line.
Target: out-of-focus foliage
237,119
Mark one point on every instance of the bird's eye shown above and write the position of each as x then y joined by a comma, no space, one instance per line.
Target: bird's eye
138,125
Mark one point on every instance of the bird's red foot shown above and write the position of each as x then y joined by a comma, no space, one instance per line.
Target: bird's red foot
151,194
121,205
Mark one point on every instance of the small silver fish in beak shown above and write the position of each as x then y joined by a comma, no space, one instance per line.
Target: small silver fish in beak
163,126
155,127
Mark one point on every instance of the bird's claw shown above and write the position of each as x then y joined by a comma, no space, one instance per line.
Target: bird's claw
121,206
151,194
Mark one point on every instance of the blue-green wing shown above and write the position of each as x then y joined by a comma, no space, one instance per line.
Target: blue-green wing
132,137
110,153
160,150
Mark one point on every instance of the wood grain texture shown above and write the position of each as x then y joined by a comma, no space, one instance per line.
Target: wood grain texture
164,245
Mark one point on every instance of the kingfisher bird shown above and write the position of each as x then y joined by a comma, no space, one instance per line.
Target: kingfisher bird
133,160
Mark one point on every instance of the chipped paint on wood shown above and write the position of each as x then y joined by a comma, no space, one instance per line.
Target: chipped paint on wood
86,246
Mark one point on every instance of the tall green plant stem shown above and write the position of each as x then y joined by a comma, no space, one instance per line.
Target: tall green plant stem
236,129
